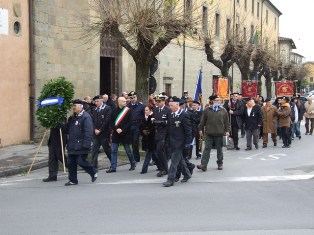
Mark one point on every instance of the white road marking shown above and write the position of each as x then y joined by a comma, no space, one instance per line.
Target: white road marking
217,180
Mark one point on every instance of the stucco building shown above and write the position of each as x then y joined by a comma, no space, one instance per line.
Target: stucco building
45,44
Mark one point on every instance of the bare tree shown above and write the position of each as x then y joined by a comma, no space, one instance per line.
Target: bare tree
143,28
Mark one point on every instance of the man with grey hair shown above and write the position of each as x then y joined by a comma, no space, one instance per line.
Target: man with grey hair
105,98
180,135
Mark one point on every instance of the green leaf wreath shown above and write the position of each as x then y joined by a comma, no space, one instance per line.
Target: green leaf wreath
54,115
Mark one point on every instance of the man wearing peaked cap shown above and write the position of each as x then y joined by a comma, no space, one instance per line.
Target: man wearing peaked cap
138,113
161,116
132,93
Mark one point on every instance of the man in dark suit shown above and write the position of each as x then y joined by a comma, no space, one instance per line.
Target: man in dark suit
236,112
180,134
121,121
161,117
101,120
253,120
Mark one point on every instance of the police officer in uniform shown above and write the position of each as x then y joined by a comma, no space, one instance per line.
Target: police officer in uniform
138,113
101,120
161,117
180,134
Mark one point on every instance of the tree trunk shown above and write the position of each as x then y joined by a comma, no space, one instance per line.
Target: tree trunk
268,87
141,85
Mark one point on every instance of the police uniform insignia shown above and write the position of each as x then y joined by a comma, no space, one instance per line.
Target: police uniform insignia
177,123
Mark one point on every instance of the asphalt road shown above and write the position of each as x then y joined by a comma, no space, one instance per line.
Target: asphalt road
265,191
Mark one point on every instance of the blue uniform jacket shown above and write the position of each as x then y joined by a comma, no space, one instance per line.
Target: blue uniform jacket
180,131
80,133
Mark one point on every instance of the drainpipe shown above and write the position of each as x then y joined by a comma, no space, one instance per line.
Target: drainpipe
31,72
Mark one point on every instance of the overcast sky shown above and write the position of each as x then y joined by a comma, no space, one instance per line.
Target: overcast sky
296,22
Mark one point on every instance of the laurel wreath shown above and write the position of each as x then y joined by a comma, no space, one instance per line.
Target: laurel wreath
54,115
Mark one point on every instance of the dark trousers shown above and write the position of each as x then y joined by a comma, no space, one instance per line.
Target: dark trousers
285,135
234,133
209,141
188,164
148,158
135,145
161,155
55,155
79,159
176,158
104,142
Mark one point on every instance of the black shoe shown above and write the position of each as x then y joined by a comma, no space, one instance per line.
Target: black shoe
256,146
49,179
248,148
264,145
220,167
167,183
311,133
299,137
202,167
143,172
185,179
242,136
236,147
94,178
275,144
198,157
284,146
110,170
161,173
306,133
132,168
70,183
176,179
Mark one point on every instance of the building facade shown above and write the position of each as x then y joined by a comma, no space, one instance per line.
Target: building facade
47,44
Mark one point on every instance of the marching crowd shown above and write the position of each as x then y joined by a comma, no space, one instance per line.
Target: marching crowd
169,128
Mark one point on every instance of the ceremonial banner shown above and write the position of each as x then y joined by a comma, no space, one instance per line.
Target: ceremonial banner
284,88
223,88
216,86
249,89
198,89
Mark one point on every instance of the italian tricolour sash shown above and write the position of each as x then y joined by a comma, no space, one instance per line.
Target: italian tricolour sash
121,115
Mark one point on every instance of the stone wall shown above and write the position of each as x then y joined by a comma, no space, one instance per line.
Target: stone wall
59,51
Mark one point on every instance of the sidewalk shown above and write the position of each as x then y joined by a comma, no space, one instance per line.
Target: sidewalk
17,159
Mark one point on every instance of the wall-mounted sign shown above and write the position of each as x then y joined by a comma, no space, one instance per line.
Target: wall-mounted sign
4,21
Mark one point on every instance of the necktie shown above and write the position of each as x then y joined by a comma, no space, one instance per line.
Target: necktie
160,110
98,110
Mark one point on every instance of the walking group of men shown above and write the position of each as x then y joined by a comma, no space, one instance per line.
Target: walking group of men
169,127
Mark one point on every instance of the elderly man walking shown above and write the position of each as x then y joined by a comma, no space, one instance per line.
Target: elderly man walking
214,125
269,122
180,134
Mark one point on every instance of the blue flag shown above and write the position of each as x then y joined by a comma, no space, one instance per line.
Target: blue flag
198,90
